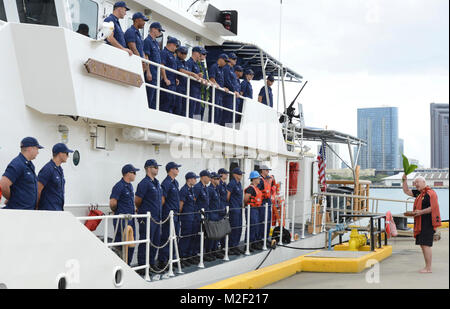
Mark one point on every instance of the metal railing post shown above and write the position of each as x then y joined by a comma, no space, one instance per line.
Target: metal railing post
105,240
314,216
293,220
202,236
158,90
188,94
247,250
324,213
147,246
226,258
213,104
234,111
171,230
266,215
282,223
304,221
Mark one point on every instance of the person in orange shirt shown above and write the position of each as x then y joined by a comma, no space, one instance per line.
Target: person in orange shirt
426,217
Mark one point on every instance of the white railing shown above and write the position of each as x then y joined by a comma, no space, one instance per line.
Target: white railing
187,96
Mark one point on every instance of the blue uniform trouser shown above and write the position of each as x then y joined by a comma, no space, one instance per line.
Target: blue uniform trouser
155,236
180,103
195,106
217,111
163,255
236,226
189,235
119,226
227,117
262,213
239,106
151,92
167,99
254,223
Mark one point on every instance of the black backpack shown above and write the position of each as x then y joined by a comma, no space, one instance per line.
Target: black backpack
286,235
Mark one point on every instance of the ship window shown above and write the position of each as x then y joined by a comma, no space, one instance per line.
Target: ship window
84,12
42,12
2,11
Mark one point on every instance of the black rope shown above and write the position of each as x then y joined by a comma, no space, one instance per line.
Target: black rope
267,255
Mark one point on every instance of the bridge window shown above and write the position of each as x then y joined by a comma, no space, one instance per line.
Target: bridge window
84,12
42,12
2,11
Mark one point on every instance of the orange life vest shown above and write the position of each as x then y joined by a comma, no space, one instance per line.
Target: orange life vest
255,201
267,191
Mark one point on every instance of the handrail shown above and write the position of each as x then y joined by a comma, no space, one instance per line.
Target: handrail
362,197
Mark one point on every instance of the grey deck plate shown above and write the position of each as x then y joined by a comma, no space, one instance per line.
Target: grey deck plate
339,254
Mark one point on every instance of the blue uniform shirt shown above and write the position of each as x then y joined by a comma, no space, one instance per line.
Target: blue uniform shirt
171,193
223,194
151,49
118,33
247,89
24,184
231,80
187,197
201,196
132,35
181,64
236,197
216,72
168,59
124,194
214,203
52,196
150,192
262,93
192,66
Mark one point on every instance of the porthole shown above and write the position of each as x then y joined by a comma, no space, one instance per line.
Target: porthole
76,157
61,282
118,276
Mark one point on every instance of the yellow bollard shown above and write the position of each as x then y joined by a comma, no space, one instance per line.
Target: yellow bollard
356,240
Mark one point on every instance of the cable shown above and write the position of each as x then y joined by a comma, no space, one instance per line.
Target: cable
264,259
192,5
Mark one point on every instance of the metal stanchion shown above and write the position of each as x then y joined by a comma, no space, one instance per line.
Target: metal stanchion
247,250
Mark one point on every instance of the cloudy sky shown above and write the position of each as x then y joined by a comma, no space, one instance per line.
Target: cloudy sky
356,54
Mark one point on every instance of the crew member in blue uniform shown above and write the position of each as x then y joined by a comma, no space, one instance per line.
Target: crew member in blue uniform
133,35
19,182
51,180
235,199
117,39
204,90
180,105
195,87
216,76
239,101
262,93
190,222
170,202
246,86
202,202
153,53
169,79
214,213
121,201
148,198
223,199
231,82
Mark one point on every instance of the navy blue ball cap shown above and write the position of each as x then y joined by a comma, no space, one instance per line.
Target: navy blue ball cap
30,142
171,165
223,171
204,51
197,49
61,147
151,163
224,57
121,4
232,56
129,169
191,175
214,175
205,173
182,49
238,68
140,15
157,25
172,40
271,78
238,171
249,72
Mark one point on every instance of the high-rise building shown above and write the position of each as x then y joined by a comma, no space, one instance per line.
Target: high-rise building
401,149
439,135
379,128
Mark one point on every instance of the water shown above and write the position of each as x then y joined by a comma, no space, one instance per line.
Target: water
398,208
